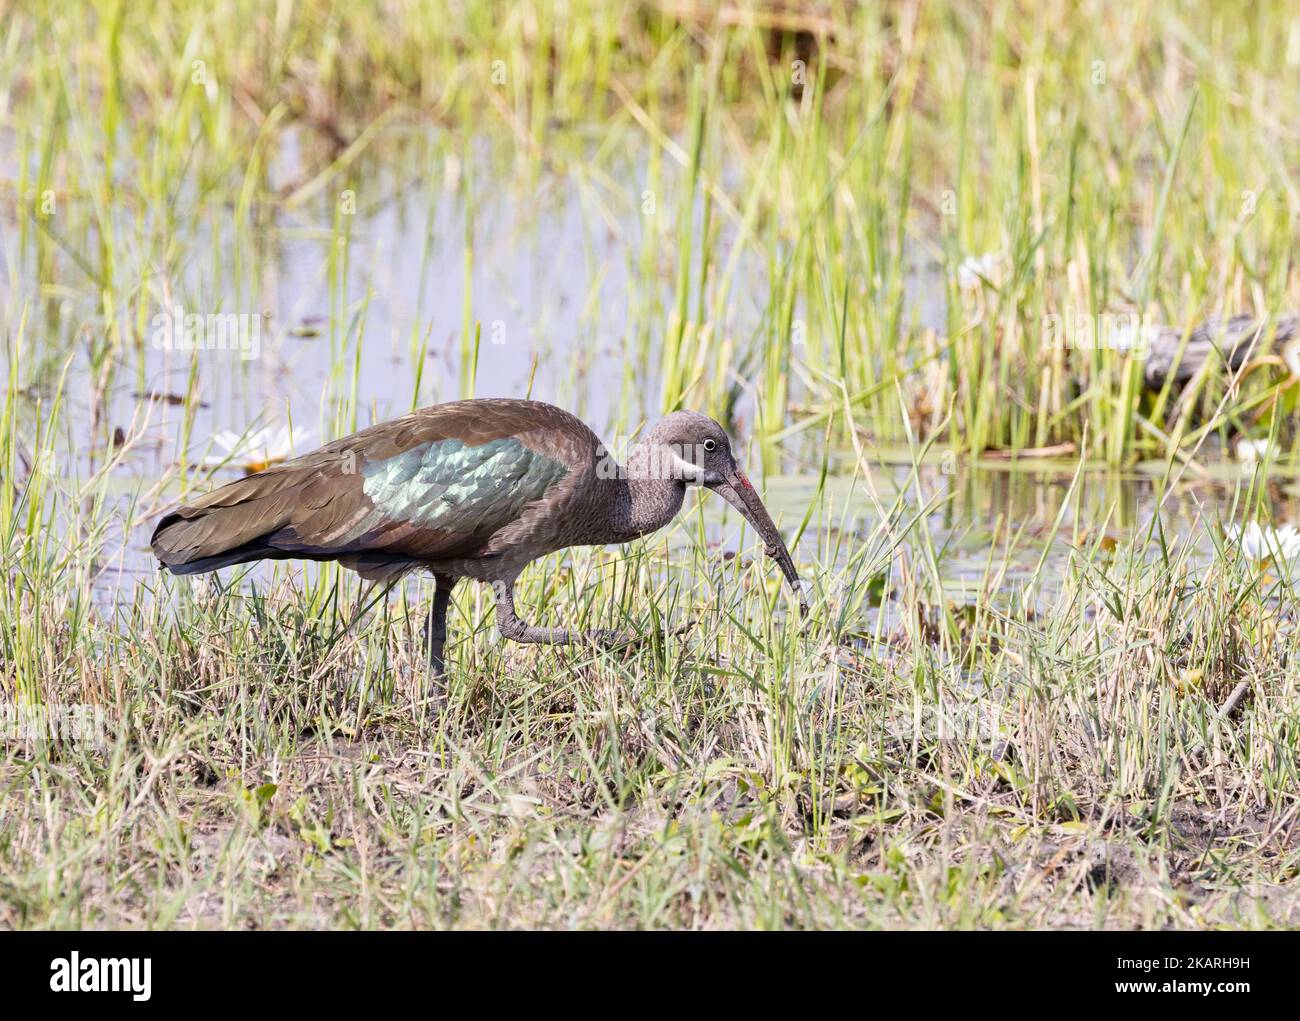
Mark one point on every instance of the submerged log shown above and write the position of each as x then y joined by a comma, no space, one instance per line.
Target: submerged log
1234,338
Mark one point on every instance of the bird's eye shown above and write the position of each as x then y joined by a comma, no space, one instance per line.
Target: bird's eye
709,445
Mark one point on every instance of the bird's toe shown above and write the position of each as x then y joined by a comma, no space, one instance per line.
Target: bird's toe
611,638
614,639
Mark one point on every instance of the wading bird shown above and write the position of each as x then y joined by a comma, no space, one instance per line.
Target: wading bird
470,489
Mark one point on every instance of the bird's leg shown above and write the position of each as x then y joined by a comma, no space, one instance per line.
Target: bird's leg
510,626
435,627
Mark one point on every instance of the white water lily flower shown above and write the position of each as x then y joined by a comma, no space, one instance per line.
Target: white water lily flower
975,269
1249,451
1263,544
254,451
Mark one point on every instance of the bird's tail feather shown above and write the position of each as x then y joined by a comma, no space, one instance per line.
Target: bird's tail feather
230,525
243,555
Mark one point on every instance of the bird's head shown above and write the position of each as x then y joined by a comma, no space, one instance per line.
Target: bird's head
694,450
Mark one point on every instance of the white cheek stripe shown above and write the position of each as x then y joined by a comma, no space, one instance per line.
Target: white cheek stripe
690,472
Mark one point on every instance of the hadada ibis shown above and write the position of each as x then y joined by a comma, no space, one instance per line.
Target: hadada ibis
469,489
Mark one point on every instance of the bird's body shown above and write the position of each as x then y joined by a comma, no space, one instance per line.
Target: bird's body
471,489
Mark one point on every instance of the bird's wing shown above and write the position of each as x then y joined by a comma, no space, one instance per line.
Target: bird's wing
436,484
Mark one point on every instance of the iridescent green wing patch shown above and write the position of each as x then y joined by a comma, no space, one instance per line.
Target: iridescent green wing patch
447,486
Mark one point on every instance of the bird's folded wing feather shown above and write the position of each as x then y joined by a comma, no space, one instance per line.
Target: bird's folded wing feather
432,485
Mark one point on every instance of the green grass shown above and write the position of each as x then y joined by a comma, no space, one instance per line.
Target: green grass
1114,157
259,774
1121,743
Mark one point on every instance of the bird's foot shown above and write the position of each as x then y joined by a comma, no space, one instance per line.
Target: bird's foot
612,639
435,686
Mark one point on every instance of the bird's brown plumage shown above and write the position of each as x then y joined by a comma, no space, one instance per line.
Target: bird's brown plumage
472,489
317,506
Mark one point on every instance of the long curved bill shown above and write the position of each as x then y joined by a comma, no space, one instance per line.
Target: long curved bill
740,493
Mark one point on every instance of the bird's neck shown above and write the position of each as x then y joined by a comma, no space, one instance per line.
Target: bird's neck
644,501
